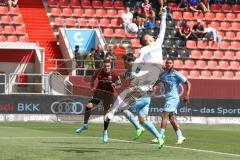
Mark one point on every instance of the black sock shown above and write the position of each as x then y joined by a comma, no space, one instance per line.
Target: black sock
106,123
87,114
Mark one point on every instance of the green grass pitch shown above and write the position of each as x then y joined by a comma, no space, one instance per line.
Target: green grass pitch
58,141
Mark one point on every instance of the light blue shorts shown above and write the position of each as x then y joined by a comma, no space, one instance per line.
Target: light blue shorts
171,105
141,106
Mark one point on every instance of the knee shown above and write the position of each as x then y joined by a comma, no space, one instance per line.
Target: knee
89,106
142,119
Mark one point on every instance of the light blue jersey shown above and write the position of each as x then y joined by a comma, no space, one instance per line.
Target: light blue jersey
171,81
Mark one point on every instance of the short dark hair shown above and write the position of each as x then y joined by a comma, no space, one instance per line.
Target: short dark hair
142,40
128,57
106,60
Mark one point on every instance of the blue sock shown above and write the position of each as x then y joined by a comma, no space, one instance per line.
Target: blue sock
132,119
179,133
105,132
151,128
162,131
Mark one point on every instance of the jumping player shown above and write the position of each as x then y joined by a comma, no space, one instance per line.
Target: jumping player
107,82
146,69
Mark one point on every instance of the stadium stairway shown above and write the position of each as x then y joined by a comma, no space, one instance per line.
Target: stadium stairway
39,30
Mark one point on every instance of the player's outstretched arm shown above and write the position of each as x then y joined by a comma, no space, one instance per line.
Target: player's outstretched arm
162,27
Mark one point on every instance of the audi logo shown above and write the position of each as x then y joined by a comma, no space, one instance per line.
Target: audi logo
67,107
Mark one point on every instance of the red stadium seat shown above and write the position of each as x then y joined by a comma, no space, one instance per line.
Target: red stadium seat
111,13
63,3
213,45
207,54
100,13
172,6
97,4
58,21
235,26
1,30
220,16
235,45
230,36
229,55
52,3
187,16
237,55
9,30
215,8
194,74
202,45
78,12
82,22
218,55
119,33
115,23
230,17
120,13
226,8
23,39
56,12
200,64
224,26
189,64
198,16
107,4
234,65
108,32
178,63
86,4
92,22
104,22
224,45
136,52
184,73
223,65
217,75
205,74
212,64
89,13
236,8
228,75
6,20
237,75
67,12
21,30
177,15
215,25
191,44
131,35
196,54
17,20
118,5
75,3
2,38
14,11
135,43
238,16
238,36
12,39
70,22
209,16
191,23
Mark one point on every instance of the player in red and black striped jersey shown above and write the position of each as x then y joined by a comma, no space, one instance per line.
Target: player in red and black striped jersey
102,94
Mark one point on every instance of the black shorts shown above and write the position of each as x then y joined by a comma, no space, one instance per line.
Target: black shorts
106,98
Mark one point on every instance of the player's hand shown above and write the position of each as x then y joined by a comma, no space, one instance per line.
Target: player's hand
186,100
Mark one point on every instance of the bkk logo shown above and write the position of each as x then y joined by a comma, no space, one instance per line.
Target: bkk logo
67,107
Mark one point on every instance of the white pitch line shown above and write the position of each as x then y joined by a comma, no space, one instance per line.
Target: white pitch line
120,140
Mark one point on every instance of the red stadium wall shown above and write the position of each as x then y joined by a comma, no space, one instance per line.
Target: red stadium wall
14,55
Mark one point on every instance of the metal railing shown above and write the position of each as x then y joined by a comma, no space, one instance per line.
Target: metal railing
32,83
3,83
59,84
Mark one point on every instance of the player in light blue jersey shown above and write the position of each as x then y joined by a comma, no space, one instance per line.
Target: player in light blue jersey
172,79
140,106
